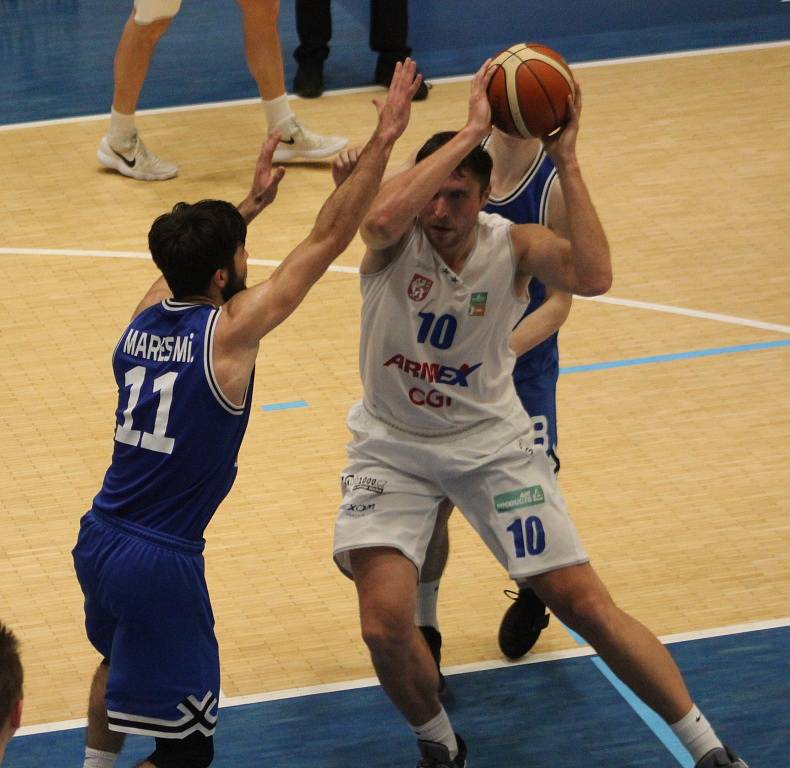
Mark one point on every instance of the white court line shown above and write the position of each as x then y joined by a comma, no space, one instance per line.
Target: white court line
666,308
369,682
370,88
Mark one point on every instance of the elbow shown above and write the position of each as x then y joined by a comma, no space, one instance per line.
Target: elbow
378,230
598,282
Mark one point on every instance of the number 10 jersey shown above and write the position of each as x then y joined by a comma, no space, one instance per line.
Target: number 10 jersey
434,352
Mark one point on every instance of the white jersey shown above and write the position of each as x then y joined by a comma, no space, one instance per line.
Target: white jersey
434,353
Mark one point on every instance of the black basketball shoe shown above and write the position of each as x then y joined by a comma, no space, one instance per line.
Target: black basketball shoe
522,623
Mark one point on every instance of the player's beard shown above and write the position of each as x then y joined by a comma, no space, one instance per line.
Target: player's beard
236,283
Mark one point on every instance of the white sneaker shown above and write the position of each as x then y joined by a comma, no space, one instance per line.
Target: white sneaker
300,143
138,161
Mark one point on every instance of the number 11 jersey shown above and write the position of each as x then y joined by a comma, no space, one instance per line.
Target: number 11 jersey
177,435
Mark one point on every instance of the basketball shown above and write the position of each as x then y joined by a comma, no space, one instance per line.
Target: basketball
529,90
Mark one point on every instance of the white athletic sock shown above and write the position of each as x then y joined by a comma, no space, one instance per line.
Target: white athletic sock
695,733
95,758
122,130
427,599
277,111
439,731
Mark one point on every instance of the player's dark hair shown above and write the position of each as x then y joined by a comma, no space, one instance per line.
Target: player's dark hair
192,242
11,676
478,162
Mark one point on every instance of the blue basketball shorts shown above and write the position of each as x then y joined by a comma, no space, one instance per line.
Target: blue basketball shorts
539,398
147,610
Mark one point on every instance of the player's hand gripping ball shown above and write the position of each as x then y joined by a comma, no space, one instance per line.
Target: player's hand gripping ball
529,90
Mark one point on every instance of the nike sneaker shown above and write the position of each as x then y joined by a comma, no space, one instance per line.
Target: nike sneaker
135,161
300,143
522,623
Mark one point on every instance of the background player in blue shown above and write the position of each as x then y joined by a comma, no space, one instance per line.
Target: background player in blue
525,190
184,368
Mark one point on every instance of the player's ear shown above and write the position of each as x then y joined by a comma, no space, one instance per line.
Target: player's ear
220,278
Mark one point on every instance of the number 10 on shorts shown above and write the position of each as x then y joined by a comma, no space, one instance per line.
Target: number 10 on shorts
528,536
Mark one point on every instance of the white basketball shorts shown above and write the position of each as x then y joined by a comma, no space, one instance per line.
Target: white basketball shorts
503,484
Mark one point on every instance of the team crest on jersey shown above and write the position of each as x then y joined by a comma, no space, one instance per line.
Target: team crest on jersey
419,287
477,303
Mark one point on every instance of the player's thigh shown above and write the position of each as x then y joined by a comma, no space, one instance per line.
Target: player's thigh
384,507
515,504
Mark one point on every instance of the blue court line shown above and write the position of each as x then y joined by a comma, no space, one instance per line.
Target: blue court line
711,352
283,406
676,356
650,718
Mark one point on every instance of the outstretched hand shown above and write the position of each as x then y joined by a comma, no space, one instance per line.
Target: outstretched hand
562,144
395,110
265,181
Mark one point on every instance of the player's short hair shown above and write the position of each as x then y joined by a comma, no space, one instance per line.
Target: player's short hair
478,162
11,676
192,242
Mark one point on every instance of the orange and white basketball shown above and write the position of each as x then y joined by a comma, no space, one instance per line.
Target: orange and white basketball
529,91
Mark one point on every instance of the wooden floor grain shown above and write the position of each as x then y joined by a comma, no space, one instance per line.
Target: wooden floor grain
676,473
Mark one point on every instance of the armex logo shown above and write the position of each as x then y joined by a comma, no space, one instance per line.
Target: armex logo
433,372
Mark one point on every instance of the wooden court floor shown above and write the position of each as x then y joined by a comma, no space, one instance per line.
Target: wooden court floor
677,472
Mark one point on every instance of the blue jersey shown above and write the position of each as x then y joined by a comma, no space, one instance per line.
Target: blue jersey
177,436
536,371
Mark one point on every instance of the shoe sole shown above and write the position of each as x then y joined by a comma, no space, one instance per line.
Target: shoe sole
114,164
285,155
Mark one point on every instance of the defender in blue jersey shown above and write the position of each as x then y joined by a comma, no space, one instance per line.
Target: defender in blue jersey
525,190
184,369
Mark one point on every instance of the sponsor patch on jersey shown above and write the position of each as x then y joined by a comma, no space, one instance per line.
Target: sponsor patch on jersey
477,303
361,482
523,497
358,510
419,287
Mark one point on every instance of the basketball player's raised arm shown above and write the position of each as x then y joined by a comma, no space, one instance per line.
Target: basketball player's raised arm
252,313
402,197
580,264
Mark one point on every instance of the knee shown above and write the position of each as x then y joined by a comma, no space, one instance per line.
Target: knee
591,614
384,629
154,16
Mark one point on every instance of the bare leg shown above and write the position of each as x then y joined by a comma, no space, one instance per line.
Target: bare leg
99,736
132,57
386,582
262,46
579,599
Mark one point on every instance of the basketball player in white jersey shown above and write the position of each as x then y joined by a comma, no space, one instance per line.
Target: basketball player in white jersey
442,284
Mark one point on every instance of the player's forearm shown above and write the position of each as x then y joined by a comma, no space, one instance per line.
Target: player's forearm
539,325
591,257
402,197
